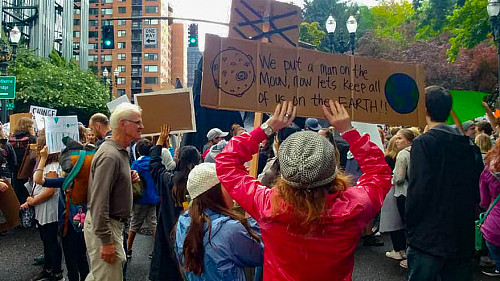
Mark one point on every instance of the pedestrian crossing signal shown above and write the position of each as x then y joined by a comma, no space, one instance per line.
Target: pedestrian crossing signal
108,37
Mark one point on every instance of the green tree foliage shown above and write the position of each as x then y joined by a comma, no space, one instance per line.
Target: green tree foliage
54,83
311,33
390,19
468,26
432,16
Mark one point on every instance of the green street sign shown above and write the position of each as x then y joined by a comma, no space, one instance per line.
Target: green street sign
7,87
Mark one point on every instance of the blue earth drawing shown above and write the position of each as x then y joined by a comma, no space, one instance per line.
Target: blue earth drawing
401,92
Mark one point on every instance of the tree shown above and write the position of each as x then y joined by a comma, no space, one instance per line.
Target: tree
468,25
390,19
54,83
311,33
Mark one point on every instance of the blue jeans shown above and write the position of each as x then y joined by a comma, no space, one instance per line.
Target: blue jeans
425,267
495,253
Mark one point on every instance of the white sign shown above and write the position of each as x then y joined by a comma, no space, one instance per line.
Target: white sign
57,127
150,37
6,129
114,103
372,130
38,113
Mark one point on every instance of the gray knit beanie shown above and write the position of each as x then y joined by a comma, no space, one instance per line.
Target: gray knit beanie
307,160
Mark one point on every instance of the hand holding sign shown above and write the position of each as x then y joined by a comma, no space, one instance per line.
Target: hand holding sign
338,117
283,116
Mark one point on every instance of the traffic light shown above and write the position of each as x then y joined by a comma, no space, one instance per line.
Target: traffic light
193,35
108,37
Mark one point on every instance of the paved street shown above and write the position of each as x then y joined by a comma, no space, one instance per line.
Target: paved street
18,248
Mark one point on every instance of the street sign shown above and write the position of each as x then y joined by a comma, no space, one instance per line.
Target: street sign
150,36
7,87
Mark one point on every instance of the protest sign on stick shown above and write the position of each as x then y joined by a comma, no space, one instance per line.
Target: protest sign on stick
114,103
172,107
255,76
38,114
58,127
14,119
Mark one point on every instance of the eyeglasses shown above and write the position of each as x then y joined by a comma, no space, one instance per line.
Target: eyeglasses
138,123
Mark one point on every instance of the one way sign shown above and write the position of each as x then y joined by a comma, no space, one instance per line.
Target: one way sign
150,36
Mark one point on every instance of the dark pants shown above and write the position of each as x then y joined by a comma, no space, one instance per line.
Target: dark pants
495,254
19,189
422,266
401,202
51,247
398,239
75,254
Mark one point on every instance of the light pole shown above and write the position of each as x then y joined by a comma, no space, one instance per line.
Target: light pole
5,57
340,46
493,11
106,82
116,73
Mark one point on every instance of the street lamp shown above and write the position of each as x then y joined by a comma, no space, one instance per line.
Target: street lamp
340,45
352,26
5,57
493,9
107,82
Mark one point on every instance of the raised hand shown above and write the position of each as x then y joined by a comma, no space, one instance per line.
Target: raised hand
283,116
164,138
338,117
44,153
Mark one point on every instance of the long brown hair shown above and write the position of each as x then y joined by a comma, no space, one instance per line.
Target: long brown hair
40,143
307,204
188,158
493,158
193,250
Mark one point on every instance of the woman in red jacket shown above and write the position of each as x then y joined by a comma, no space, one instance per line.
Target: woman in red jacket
311,221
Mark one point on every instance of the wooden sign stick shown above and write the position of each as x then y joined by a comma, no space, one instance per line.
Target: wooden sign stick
457,121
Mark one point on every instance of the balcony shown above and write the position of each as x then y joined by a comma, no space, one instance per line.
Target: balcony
136,61
136,85
136,37
136,49
136,25
136,2
136,73
137,13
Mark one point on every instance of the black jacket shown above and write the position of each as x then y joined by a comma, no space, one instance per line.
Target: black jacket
164,264
443,193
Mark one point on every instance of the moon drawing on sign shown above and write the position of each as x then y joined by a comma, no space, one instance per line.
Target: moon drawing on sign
233,72
401,92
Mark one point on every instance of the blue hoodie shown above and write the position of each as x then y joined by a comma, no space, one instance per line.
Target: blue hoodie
150,194
231,249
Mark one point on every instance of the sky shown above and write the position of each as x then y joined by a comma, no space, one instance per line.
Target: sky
218,10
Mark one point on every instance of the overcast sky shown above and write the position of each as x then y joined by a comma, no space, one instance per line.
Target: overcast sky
218,10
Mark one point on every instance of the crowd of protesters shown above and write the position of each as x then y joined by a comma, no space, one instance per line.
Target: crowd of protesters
316,194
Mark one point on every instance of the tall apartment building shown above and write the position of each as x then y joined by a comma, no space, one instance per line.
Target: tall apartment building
193,58
143,66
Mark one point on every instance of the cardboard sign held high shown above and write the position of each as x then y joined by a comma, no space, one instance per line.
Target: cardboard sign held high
255,76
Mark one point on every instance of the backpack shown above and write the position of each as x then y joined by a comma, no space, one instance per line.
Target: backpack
21,143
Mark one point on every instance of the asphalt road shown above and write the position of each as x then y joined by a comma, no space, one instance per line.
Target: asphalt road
20,246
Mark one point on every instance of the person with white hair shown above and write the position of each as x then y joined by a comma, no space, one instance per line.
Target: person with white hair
110,195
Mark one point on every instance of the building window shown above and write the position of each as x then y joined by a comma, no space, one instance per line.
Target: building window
106,12
93,11
150,68
76,34
121,92
121,45
120,81
122,10
122,22
107,1
150,21
76,45
150,80
93,34
122,56
93,22
151,9
92,57
76,22
122,33
136,24
151,56
106,22
106,57
93,46
121,68
76,57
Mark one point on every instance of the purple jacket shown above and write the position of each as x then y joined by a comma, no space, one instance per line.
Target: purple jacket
490,188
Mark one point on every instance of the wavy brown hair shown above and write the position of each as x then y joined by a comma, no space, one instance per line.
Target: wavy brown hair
392,150
493,158
307,205
193,250
40,143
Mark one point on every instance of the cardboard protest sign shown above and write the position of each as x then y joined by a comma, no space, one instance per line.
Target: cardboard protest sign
114,103
58,127
14,119
9,206
172,107
273,21
247,75
38,114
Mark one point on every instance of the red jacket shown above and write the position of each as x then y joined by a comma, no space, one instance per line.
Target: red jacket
324,251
